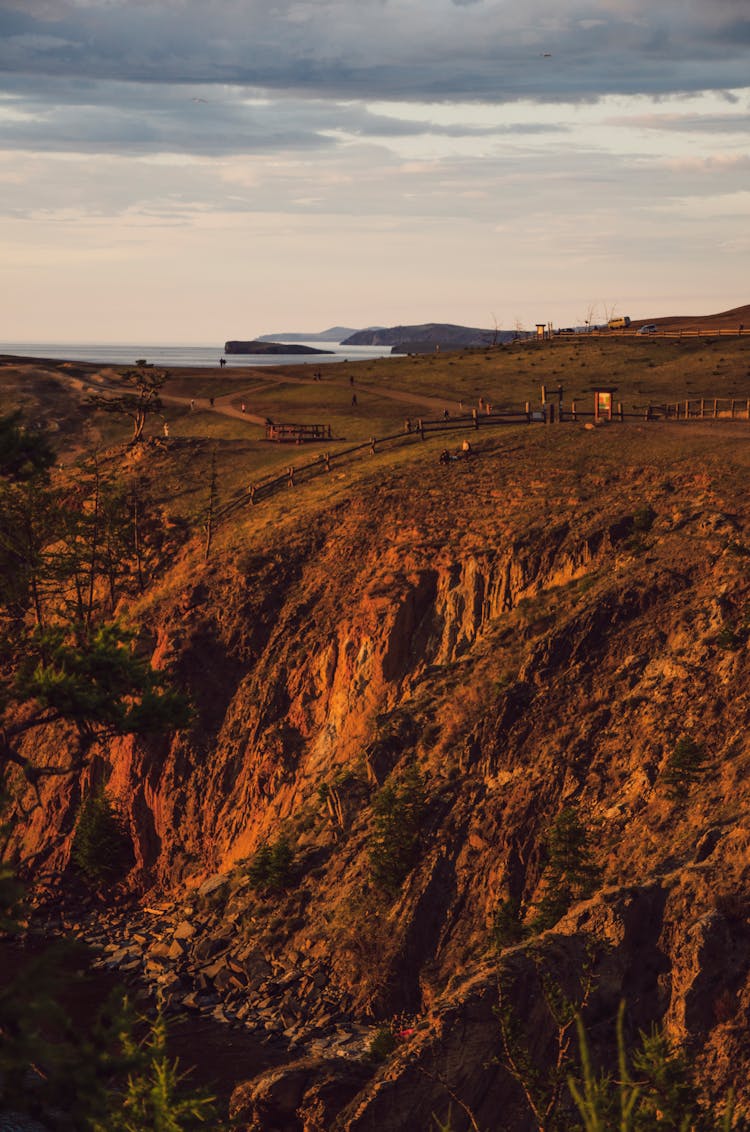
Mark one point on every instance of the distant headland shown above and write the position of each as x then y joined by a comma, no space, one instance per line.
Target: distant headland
422,338
426,336
332,334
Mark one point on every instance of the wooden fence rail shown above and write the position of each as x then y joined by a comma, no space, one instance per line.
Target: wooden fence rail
693,332
325,462
692,409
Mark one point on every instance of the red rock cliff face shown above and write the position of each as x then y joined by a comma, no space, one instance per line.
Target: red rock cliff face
530,644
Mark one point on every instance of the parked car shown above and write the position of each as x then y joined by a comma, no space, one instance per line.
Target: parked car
648,329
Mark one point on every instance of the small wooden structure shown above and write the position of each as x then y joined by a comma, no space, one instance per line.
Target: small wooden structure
541,330
603,405
297,433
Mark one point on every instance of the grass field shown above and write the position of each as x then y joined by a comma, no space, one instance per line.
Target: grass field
642,371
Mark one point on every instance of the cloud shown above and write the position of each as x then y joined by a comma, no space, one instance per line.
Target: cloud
686,123
58,115
579,190
409,49
522,141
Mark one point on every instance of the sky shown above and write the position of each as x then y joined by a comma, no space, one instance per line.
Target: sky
187,171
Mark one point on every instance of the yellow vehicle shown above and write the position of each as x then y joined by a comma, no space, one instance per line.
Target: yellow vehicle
621,323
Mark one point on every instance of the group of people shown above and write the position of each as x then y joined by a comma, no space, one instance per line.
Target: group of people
446,457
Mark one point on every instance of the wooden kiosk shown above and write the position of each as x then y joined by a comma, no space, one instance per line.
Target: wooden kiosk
603,403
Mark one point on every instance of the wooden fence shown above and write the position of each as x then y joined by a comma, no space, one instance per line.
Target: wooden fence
297,433
709,408
693,332
696,408
420,429
553,412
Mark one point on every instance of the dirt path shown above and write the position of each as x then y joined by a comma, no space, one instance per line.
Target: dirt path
106,380
427,402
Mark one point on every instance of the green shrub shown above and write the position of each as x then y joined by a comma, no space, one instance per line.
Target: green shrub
382,1044
271,867
728,637
654,1091
684,767
102,850
643,518
155,1097
394,845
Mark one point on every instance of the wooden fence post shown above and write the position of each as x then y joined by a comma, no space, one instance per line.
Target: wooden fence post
687,410
291,476
252,493
527,409
420,426
620,413
573,410
703,408
475,418
372,445
716,407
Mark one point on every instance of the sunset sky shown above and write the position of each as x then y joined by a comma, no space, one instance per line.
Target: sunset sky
186,171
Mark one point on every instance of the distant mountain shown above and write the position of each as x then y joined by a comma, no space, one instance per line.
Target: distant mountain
262,346
333,334
426,335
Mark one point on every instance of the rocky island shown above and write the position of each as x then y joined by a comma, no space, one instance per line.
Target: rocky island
258,347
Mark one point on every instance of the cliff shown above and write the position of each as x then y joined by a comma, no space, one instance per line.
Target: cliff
529,631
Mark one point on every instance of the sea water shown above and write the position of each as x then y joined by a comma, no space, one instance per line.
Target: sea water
166,356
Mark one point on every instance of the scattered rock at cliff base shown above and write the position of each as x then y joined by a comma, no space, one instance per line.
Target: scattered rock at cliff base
213,884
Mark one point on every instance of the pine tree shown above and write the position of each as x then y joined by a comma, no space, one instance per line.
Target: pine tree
101,847
684,768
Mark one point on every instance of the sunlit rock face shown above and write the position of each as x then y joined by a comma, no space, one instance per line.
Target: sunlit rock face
513,631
